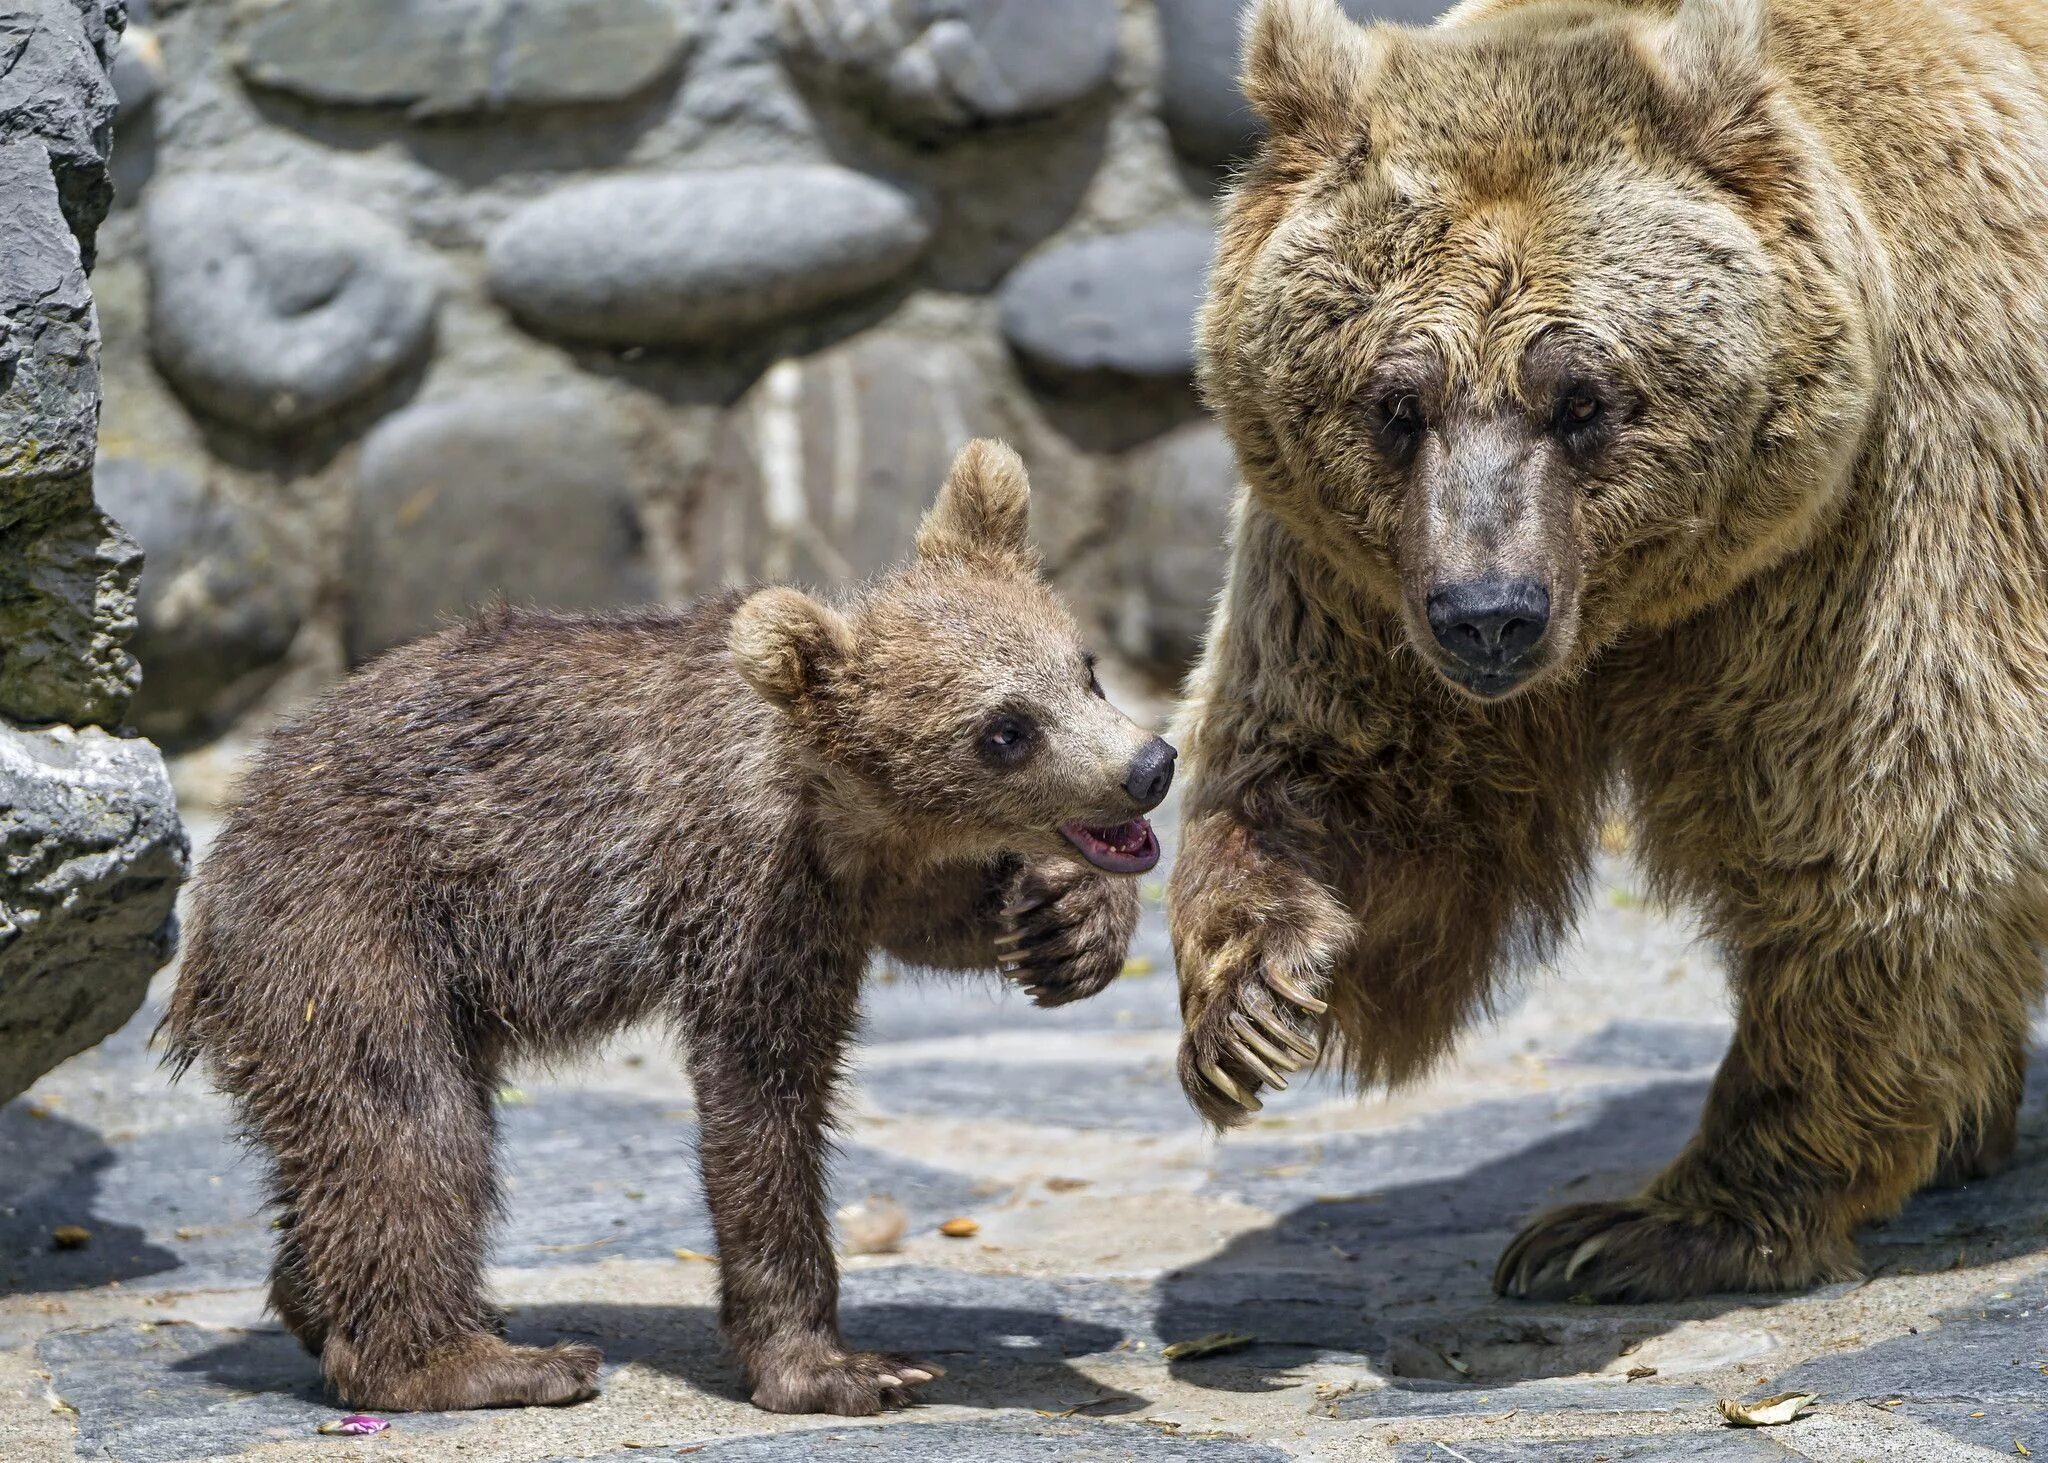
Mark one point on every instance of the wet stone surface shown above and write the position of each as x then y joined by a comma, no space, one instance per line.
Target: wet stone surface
1347,1244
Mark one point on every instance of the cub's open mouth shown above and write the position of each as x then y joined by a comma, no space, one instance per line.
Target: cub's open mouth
1128,848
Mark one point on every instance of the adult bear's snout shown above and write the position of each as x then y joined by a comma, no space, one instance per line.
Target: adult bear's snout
1490,626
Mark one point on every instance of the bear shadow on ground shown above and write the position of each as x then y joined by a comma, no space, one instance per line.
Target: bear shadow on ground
53,1168
983,1350
1413,1290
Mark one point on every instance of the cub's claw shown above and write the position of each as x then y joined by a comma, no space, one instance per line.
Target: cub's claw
1068,931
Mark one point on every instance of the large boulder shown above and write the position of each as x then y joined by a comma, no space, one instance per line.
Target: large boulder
272,308
931,65
1204,111
54,91
1118,305
94,855
90,847
67,575
821,472
219,603
700,257
527,497
437,57
1171,546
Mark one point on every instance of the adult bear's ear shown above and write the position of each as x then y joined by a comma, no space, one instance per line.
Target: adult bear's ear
1307,70
1711,60
983,512
787,645
1710,48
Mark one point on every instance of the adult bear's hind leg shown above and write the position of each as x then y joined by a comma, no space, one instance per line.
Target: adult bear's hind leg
1856,1066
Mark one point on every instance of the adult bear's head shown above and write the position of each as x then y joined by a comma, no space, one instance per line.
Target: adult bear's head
1544,323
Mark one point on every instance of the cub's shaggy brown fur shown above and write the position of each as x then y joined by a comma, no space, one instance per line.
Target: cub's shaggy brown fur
1651,399
522,834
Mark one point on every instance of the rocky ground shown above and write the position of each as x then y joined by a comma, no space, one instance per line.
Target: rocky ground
1349,1241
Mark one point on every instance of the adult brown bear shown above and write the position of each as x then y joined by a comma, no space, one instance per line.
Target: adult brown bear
1640,398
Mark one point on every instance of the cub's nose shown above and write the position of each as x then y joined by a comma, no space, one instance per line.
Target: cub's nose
1490,624
1151,775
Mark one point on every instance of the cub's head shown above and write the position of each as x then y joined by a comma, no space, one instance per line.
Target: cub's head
958,694
1543,323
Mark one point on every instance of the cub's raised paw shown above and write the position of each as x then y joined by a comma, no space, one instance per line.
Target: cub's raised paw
1067,931
1639,1250
848,1383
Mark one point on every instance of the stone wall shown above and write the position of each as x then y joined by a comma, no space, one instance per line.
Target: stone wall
410,302
91,851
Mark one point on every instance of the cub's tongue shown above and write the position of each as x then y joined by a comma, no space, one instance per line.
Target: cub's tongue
1127,848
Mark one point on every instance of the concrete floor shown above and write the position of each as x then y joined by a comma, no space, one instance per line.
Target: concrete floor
1352,1239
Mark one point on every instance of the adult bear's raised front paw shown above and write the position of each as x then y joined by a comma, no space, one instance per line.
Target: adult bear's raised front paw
1255,946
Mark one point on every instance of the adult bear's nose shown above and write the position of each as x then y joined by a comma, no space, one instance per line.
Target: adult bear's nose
1490,624
1151,774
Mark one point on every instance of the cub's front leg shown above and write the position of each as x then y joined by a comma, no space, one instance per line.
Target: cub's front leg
1066,930
766,1051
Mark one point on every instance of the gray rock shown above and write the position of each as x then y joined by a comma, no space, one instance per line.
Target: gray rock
1199,98
525,496
1724,1447
67,606
219,601
176,1393
1000,1439
273,308
1988,1354
822,471
697,257
941,64
1172,551
94,855
66,574
137,71
1122,304
1426,1399
49,338
460,56
54,91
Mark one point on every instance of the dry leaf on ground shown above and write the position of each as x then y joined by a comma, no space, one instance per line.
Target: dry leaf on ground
1213,1344
696,1255
70,1236
962,1228
1769,1411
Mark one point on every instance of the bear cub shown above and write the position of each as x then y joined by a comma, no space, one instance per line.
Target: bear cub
517,836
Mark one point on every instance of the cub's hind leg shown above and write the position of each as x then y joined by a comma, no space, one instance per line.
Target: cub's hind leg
388,1162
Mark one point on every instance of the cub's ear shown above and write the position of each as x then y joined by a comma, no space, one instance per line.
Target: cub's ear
786,644
1307,70
983,511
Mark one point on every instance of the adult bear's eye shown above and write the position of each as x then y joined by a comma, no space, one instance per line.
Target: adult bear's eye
1401,424
1580,418
1007,739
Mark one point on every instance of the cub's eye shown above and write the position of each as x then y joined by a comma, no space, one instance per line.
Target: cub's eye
1007,739
1094,685
1401,423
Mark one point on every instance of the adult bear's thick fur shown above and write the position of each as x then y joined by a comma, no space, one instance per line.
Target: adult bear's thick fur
1641,399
